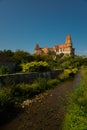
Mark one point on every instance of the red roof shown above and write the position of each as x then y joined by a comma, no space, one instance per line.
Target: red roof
63,46
60,46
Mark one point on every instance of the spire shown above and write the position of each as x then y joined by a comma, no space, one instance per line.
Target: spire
68,40
37,47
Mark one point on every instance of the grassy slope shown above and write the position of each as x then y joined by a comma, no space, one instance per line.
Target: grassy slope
76,118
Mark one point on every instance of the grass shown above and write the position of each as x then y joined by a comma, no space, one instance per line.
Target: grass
76,118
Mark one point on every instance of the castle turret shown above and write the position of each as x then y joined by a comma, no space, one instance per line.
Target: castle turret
37,49
68,41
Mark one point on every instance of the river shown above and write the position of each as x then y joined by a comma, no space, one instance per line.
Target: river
47,110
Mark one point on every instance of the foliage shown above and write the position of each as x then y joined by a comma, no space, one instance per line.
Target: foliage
5,98
76,118
74,70
67,62
23,91
55,61
7,81
4,70
42,83
22,56
50,56
7,53
67,74
52,83
35,66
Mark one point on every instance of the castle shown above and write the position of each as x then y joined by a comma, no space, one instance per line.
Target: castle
65,48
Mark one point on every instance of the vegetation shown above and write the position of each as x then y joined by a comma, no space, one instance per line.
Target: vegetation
21,56
68,73
4,70
35,66
34,62
11,94
5,98
76,118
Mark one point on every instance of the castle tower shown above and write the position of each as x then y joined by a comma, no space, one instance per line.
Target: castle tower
37,49
68,41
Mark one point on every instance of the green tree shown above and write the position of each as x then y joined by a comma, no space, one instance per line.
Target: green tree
22,56
8,53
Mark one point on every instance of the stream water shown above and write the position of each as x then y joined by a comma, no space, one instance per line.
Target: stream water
47,110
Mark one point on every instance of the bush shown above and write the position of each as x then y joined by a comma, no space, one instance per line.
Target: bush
21,91
74,70
4,70
5,98
52,83
35,66
65,75
68,73
7,81
41,83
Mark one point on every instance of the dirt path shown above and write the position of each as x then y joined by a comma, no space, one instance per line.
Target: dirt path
47,110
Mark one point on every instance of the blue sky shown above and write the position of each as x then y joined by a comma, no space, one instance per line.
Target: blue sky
23,23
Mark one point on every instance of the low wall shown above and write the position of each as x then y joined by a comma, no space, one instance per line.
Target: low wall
27,77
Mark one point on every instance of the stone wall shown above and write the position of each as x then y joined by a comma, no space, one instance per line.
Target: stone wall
28,77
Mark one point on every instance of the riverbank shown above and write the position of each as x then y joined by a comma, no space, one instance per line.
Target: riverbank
47,110
11,94
76,117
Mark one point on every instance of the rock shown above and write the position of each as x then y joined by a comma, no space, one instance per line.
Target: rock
26,103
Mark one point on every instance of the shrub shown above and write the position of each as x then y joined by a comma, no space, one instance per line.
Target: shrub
7,81
74,70
5,98
21,91
52,83
65,75
35,66
41,83
4,70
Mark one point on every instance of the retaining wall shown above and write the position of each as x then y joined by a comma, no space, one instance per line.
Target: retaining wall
28,77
